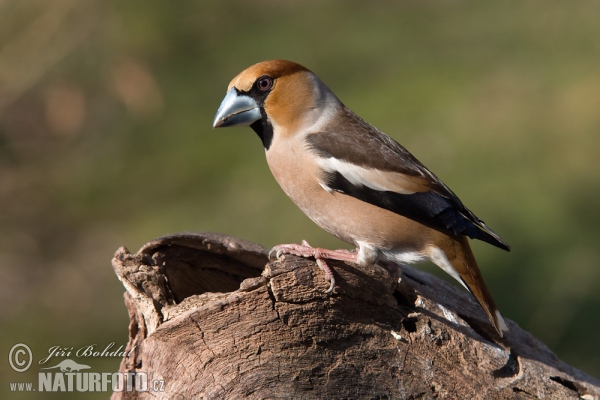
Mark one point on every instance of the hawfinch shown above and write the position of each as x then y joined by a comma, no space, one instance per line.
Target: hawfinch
354,181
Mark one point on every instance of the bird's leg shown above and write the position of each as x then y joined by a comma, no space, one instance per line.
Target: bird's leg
306,250
319,254
328,274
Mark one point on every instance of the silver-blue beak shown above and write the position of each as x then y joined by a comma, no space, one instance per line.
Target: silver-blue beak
236,109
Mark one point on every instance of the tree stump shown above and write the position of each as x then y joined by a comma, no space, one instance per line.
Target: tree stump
211,317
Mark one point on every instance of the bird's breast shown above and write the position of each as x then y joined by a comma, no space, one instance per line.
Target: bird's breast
298,173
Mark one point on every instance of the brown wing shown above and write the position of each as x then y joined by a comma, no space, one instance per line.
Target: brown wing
376,169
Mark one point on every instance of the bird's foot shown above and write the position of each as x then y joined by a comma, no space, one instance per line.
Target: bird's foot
319,254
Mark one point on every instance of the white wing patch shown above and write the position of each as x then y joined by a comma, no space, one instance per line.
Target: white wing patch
372,178
327,188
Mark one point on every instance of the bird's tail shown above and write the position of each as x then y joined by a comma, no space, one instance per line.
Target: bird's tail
463,262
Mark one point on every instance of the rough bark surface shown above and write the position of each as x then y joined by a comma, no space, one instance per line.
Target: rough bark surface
212,318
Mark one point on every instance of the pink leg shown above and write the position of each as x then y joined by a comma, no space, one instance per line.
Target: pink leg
320,255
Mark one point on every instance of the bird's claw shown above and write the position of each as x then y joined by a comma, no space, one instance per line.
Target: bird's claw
330,290
277,251
328,274
306,250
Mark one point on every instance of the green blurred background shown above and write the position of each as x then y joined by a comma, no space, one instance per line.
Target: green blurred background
106,141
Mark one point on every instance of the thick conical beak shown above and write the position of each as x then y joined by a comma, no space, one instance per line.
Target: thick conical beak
236,109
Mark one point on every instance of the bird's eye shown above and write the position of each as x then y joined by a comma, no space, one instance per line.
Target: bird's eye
265,83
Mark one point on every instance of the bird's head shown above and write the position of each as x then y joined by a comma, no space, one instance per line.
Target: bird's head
274,97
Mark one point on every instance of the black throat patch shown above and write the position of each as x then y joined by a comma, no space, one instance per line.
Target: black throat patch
262,127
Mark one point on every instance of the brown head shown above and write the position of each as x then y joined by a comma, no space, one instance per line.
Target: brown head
275,95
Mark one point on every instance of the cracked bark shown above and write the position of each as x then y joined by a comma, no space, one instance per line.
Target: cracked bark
212,318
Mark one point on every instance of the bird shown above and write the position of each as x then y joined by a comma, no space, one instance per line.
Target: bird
354,181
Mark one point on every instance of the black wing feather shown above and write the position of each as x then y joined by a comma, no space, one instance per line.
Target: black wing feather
427,208
438,208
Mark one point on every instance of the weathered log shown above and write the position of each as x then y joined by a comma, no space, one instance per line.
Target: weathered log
210,317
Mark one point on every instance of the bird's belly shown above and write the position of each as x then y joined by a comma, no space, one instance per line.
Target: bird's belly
353,220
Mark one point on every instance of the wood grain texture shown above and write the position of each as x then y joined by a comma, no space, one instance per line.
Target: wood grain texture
213,319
